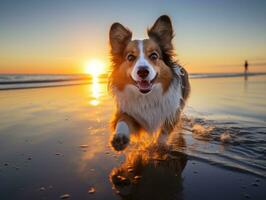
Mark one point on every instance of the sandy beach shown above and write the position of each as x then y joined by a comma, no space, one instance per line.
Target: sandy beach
54,141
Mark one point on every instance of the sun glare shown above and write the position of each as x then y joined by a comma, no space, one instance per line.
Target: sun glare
94,68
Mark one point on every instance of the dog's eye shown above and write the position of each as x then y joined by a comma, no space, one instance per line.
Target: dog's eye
131,57
153,56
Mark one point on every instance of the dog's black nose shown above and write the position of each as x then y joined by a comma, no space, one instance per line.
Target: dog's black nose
143,72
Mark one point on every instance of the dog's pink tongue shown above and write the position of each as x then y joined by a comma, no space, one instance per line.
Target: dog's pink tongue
144,86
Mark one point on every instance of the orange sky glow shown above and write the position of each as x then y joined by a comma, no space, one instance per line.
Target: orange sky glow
60,37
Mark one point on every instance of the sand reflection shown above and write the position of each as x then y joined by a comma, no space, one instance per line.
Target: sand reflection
150,173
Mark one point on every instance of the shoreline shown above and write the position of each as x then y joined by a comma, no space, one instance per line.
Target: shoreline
87,79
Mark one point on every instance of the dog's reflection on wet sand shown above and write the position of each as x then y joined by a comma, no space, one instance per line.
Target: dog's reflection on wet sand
150,173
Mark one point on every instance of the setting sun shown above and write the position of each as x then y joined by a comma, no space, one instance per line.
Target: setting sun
95,67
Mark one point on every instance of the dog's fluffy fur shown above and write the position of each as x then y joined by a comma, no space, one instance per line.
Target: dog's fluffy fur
149,86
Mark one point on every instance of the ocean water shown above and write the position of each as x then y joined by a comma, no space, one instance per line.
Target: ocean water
225,119
18,81
227,110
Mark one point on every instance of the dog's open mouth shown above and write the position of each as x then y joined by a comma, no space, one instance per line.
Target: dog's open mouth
145,86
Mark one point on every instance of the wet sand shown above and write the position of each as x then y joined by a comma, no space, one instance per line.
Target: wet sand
55,141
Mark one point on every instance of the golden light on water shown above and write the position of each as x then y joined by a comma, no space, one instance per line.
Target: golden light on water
95,68
95,91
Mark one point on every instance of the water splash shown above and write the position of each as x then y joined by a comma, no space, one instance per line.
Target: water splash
234,146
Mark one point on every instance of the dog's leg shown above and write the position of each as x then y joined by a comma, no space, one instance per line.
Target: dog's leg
124,125
167,128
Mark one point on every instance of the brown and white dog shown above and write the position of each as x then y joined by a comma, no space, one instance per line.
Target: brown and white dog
149,87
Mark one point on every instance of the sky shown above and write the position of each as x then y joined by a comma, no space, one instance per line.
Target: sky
60,36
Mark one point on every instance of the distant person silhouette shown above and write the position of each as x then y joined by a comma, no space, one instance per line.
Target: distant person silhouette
246,66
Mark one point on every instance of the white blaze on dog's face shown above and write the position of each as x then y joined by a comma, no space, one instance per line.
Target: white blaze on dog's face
144,70
140,62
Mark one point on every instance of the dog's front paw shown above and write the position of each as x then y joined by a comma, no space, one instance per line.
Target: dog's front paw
120,141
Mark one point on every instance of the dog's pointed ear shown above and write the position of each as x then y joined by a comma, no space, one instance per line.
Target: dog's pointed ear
119,37
162,32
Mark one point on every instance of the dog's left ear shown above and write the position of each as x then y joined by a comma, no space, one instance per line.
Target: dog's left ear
162,32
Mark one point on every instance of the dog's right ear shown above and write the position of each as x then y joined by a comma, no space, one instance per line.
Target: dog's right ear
162,32
119,37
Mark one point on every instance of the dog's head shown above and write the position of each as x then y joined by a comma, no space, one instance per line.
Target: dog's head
142,63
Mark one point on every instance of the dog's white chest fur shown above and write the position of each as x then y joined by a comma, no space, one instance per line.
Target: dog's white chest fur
153,109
